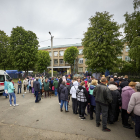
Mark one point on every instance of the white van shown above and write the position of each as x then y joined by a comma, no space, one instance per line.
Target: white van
3,77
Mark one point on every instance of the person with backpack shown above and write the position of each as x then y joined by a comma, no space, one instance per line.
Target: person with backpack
63,96
46,87
82,98
74,98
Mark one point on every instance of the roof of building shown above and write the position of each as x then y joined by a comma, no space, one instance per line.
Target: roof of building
60,46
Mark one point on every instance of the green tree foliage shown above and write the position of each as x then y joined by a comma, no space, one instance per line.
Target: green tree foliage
101,42
70,55
4,51
43,60
24,45
134,52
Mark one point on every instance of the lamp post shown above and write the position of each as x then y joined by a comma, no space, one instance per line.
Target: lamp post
51,52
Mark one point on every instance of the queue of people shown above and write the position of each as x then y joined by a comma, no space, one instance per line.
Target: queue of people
106,97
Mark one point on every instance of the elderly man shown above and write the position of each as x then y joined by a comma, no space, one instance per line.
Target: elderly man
36,86
102,97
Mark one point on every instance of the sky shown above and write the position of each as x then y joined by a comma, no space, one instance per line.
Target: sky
67,20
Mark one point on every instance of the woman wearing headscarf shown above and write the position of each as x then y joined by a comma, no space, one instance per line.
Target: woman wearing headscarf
64,79
60,81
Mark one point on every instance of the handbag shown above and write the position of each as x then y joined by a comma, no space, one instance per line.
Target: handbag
52,87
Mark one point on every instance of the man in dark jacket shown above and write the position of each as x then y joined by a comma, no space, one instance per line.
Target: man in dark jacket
63,96
102,97
36,86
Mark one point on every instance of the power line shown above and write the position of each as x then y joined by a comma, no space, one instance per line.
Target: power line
45,40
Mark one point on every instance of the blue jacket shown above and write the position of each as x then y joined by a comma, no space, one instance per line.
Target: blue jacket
39,80
10,87
6,85
92,98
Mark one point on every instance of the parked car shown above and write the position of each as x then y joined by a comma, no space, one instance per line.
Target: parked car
3,77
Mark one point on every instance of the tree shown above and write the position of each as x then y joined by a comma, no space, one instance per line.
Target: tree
70,55
43,60
132,34
5,61
101,42
25,48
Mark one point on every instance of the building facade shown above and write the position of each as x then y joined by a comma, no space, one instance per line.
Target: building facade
61,66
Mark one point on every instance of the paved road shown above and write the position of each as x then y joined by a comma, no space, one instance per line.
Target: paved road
43,120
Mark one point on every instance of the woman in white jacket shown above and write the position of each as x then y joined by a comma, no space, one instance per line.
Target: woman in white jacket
74,99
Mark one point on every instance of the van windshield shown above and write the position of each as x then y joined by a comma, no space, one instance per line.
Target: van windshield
2,78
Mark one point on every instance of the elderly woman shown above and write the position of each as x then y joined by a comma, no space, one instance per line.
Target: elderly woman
134,105
127,92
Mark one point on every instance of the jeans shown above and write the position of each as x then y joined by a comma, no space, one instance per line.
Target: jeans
18,89
74,105
104,109
14,96
65,104
82,106
36,94
30,88
55,91
137,126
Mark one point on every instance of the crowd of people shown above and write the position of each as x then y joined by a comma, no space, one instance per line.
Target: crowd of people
109,97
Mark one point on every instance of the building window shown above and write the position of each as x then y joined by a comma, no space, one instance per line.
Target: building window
66,63
85,69
61,61
81,51
80,69
61,53
80,60
127,49
50,53
55,53
55,61
127,58
119,57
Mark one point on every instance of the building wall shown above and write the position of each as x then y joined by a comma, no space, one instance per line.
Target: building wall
81,66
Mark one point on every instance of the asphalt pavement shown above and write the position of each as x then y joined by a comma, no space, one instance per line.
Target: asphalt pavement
43,120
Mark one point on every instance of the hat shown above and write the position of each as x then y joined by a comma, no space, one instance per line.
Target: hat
138,86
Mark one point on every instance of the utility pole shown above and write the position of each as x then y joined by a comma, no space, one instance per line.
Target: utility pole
51,52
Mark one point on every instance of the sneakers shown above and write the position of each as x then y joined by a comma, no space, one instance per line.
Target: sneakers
80,116
98,124
15,104
83,118
11,105
66,111
106,130
128,126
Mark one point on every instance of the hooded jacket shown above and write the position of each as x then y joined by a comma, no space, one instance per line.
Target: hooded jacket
63,92
116,102
46,86
36,85
102,94
11,88
55,83
82,94
126,95
92,98
74,89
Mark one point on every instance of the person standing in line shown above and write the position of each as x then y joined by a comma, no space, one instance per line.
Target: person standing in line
39,80
46,87
93,84
30,88
32,81
25,84
19,86
11,92
127,92
82,99
63,96
55,84
134,105
60,81
74,98
36,86
103,97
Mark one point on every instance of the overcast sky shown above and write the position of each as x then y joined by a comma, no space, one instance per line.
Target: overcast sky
63,18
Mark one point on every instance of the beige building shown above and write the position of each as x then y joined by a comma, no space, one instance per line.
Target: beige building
60,65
